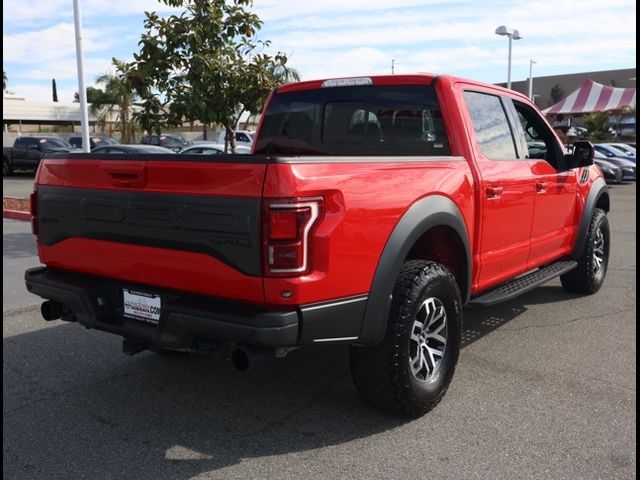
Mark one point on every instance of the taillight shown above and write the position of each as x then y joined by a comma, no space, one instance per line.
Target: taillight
287,227
33,201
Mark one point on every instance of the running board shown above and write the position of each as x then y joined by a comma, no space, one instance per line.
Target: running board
523,284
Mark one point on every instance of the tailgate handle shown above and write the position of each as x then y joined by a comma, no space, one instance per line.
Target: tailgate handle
126,175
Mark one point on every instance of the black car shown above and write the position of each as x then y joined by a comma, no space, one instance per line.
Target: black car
94,141
611,172
170,140
28,151
132,149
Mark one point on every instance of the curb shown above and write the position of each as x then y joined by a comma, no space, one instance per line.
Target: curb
16,215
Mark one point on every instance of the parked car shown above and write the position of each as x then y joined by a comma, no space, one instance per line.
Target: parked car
243,137
209,148
626,150
94,141
627,167
119,148
370,223
577,132
169,140
612,173
27,152
610,152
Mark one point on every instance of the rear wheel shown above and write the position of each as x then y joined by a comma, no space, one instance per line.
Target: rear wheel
7,170
410,371
589,275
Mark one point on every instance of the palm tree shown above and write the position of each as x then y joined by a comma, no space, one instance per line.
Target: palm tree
4,80
117,99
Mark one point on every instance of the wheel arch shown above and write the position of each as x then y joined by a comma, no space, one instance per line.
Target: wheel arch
598,197
434,213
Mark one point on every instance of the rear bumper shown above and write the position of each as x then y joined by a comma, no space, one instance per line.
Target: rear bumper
187,321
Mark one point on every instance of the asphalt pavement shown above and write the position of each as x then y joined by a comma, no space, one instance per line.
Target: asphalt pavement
545,389
19,185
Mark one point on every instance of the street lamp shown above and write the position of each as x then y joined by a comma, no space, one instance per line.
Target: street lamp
513,35
531,62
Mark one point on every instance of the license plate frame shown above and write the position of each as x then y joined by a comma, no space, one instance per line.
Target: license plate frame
142,306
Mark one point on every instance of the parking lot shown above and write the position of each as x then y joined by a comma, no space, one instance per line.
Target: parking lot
545,389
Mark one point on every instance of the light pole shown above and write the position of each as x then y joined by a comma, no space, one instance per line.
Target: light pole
531,62
82,92
513,35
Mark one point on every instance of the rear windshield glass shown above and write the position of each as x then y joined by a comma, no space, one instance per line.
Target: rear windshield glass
362,120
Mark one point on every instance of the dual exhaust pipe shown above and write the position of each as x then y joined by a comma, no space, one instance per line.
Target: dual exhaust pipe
51,310
245,357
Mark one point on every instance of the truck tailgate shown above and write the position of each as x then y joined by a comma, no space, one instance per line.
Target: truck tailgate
188,223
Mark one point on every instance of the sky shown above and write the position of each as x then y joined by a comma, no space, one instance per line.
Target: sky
336,38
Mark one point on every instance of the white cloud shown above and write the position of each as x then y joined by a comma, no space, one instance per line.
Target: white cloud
338,38
33,91
56,42
21,12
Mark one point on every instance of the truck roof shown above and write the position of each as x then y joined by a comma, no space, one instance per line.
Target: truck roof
405,79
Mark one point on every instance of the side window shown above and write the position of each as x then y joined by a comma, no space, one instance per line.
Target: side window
211,151
491,126
21,142
541,143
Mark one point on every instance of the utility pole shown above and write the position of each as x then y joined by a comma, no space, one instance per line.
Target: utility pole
531,62
82,92
392,66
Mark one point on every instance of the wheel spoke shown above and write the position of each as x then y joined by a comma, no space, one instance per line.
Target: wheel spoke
435,352
436,315
437,338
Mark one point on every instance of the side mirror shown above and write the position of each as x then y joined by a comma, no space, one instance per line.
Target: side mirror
582,155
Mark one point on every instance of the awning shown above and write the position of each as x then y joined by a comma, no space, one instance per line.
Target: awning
594,97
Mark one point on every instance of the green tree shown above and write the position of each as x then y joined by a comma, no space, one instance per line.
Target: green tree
597,124
204,64
5,80
116,99
94,94
54,90
556,94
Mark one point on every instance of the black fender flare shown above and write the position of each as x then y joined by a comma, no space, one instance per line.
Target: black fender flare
598,189
431,211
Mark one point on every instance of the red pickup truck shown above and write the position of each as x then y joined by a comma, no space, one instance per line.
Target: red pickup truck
370,212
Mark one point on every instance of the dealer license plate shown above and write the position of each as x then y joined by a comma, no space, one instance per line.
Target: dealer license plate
142,306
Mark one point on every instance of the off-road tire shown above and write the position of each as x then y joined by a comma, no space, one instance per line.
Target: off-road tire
584,278
7,169
382,374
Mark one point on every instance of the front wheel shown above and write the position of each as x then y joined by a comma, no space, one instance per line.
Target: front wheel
589,275
410,371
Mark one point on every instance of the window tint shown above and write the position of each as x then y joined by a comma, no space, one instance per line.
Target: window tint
490,124
362,120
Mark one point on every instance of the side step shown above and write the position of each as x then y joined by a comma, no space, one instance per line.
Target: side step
523,284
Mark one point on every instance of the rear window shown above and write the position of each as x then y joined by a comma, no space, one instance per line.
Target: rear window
359,120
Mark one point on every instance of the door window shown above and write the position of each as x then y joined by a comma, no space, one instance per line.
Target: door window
536,137
491,126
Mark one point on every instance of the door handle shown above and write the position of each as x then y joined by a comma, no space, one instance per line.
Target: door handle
541,187
494,191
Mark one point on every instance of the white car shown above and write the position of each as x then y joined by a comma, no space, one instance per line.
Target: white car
243,137
211,148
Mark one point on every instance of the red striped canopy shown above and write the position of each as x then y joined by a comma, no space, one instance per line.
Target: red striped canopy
594,97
